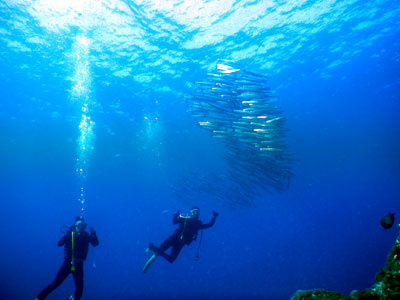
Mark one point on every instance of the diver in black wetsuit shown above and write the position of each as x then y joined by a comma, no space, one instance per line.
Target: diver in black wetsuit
76,245
186,233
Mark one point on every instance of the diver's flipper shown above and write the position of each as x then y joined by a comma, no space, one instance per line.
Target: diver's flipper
149,262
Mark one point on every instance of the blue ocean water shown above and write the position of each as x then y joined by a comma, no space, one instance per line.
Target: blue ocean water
93,116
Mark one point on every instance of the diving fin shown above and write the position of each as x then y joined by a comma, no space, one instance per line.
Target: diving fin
149,263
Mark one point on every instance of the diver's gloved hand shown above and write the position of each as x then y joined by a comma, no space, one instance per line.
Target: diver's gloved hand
215,214
92,231
177,213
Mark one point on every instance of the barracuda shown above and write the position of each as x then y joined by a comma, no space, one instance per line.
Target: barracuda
237,107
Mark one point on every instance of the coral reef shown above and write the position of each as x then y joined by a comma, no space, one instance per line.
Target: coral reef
387,286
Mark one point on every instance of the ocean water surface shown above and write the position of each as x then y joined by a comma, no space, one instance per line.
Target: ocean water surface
97,119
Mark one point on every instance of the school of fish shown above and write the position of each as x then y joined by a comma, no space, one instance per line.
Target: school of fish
237,106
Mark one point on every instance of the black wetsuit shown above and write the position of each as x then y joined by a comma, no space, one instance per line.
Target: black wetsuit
74,255
186,233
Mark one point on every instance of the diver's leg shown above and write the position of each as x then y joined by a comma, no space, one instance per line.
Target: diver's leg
60,277
158,251
175,252
78,279
176,248
166,256
169,242
164,246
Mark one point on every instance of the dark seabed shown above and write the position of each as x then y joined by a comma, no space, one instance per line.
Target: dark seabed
99,116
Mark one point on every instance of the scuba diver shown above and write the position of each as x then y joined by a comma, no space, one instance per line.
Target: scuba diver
76,245
186,233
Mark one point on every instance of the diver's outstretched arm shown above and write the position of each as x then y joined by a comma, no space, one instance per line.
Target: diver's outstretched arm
211,223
